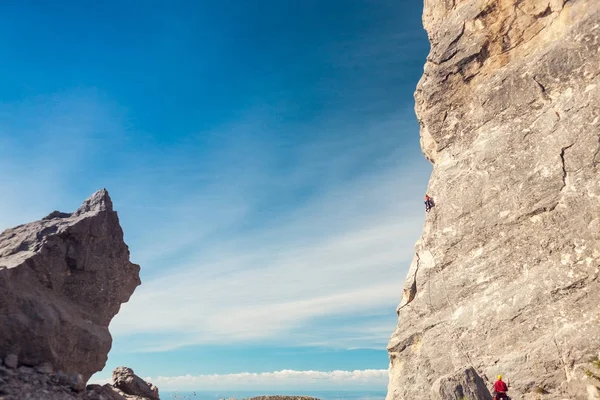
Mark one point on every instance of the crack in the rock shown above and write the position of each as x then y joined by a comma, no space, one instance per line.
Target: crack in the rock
557,116
490,8
412,291
480,57
578,284
409,341
454,51
451,49
542,89
540,210
550,208
564,169
544,13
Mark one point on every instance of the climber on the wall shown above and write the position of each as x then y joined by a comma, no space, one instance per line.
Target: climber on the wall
501,388
428,203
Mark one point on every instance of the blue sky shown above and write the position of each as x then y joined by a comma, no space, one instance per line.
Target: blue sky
264,160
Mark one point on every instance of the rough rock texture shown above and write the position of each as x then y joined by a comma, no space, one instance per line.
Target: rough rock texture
62,280
30,384
505,276
463,384
125,380
35,385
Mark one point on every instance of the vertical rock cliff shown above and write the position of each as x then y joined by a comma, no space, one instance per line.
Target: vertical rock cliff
505,275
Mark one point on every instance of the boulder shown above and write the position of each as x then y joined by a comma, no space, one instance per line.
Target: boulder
463,384
129,383
62,280
11,361
76,382
44,368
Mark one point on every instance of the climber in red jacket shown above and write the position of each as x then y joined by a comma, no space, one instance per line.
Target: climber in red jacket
428,203
500,388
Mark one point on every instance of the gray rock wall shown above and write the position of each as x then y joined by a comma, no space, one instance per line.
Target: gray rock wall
505,275
62,280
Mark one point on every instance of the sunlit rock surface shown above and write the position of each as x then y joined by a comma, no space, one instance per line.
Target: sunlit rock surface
505,275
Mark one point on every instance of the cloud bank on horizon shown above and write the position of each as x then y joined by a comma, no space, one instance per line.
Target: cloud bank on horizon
277,380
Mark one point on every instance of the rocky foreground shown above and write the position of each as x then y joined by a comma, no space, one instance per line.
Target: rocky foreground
62,280
43,384
505,279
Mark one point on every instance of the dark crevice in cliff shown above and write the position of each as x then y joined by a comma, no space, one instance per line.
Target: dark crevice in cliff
558,118
451,49
542,88
544,13
400,347
552,207
486,11
507,43
563,291
538,211
410,293
445,117
412,339
564,169
480,57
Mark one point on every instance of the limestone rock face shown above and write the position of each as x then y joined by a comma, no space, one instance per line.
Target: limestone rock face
62,280
505,275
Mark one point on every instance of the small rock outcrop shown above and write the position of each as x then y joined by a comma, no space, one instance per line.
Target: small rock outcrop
463,384
129,383
505,279
126,386
62,280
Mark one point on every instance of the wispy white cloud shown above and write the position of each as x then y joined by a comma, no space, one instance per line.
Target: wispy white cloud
255,240
284,379
342,253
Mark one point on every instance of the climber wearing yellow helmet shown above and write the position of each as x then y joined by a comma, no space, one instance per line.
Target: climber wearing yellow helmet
500,388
